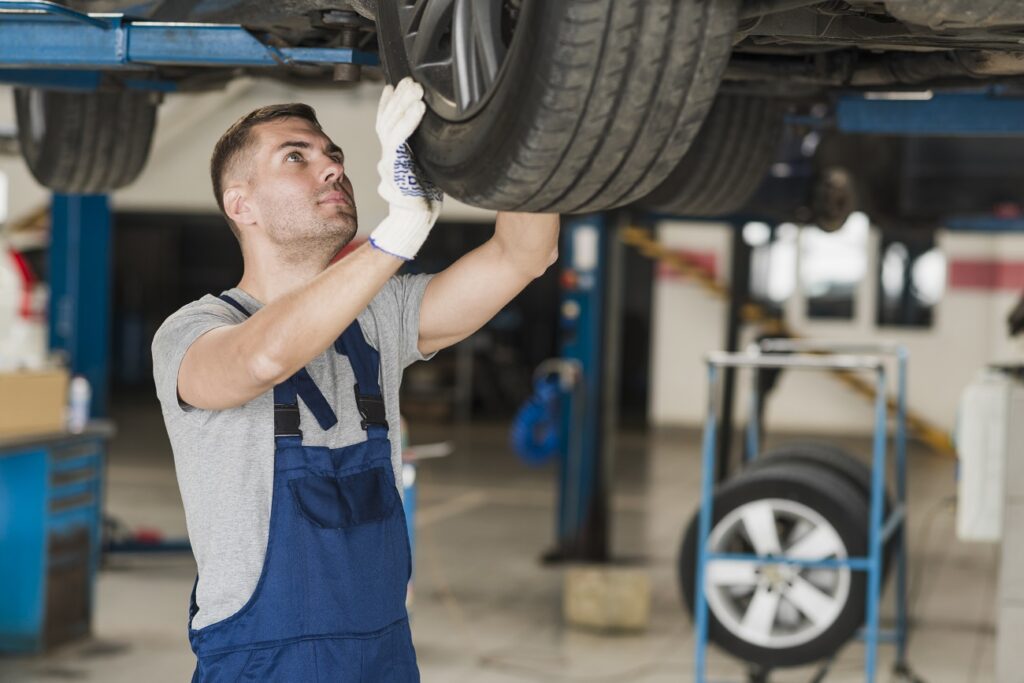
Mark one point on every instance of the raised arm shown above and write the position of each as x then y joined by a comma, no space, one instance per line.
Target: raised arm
460,299
233,364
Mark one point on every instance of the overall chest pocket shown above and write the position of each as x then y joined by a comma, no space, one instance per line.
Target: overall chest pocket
343,502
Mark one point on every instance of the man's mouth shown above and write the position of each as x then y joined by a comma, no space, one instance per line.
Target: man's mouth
336,198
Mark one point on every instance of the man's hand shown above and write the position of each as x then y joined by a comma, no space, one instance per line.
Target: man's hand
414,202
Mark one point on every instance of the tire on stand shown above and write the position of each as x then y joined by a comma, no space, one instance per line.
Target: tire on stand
774,615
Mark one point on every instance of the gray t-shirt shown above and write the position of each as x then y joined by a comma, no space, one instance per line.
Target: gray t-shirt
224,459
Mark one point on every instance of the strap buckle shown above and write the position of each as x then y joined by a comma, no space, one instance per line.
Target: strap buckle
371,409
286,420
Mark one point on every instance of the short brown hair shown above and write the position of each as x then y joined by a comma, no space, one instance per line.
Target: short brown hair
239,136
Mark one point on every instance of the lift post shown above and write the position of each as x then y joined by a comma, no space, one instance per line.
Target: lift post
80,289
739,294
591,283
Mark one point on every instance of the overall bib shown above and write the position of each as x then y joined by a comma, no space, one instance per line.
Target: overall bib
330,602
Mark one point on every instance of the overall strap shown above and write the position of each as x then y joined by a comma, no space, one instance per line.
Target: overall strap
286,407
365,363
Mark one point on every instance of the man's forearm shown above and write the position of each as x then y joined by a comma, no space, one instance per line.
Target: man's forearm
463,297
291,331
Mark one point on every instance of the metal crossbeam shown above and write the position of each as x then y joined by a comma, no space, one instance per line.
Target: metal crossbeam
947,114
46,35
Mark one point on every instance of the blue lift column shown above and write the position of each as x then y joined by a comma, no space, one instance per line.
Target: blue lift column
80,289
591,270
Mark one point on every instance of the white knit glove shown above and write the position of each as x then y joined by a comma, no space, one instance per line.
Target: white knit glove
414,202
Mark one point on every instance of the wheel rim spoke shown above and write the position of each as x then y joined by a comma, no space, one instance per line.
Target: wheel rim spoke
465,62
818,544
760,616
455,49
487,34
429,22
759,523
816,605
731,573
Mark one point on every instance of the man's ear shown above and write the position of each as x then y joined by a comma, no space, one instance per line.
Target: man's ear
237,205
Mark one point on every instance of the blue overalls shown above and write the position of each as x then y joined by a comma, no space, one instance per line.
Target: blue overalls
330,602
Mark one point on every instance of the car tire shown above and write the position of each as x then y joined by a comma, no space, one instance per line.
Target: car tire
834,459
84,143
593,105
826,455
838,512
727,161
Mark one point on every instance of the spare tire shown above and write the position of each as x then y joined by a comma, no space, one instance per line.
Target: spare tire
728,160
832,458
827,455
781,615
85,143
556,105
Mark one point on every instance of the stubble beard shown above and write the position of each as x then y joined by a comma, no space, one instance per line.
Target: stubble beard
318,239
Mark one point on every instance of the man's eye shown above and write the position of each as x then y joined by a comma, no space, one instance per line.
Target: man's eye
294,156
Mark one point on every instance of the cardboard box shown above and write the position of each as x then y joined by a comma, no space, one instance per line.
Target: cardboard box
32,402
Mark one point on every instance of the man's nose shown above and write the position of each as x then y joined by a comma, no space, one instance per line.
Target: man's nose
334,172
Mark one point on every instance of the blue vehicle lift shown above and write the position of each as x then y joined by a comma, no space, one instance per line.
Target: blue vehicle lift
46,45
805,356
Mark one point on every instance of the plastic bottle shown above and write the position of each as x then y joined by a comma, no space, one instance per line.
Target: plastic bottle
79,396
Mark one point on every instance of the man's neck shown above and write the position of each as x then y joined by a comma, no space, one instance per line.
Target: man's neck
268,276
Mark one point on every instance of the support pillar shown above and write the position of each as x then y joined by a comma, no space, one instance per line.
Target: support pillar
591,288
80,289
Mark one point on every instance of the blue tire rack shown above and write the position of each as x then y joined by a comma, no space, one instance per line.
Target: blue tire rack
813,355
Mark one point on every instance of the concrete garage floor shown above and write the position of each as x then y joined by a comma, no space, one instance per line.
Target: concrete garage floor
485,610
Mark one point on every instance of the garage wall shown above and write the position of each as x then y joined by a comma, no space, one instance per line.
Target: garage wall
23,193
686,323
985,275
177,175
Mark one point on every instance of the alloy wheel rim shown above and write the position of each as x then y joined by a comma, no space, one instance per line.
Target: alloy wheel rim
774,605
456,50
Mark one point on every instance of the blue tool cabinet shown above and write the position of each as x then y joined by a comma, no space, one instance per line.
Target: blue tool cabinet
51,491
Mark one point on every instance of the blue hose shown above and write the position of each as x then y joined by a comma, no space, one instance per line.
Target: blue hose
536,429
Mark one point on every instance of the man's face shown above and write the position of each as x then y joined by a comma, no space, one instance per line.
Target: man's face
299,187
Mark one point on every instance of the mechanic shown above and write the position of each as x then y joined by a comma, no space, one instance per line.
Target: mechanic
280,397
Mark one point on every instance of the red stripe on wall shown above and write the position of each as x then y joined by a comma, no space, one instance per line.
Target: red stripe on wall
704,260
986,274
